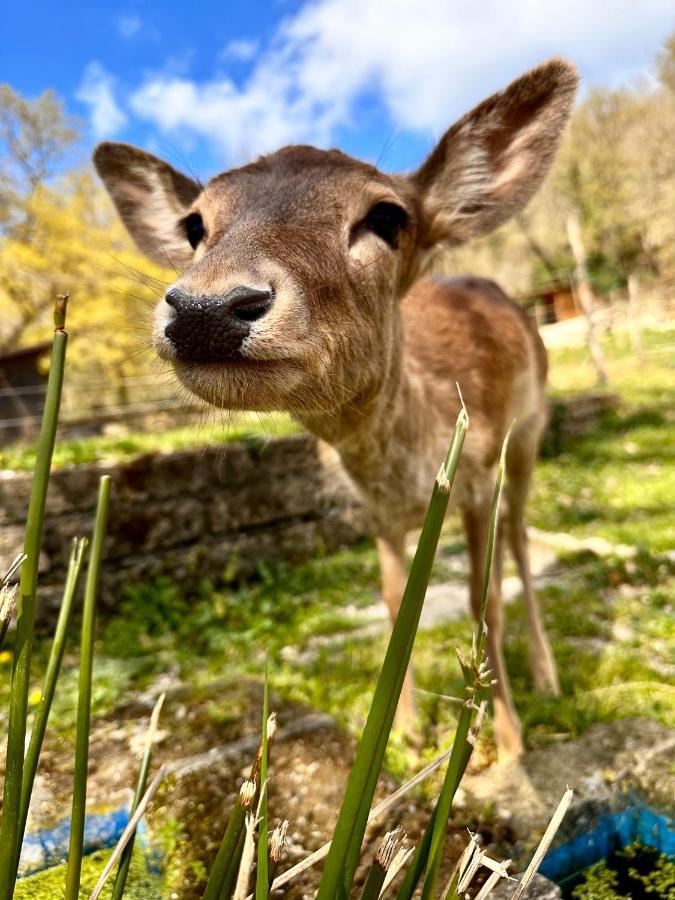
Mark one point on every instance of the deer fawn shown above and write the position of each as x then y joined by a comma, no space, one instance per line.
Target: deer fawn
299,292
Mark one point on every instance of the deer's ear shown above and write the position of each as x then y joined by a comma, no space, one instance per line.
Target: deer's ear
488,165
151,197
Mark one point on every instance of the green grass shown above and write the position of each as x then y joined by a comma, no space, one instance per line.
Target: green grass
102,448
618,480
610,619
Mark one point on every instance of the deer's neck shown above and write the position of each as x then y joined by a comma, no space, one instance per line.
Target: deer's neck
386,436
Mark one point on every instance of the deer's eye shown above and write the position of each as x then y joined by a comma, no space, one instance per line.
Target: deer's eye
194,229
387,220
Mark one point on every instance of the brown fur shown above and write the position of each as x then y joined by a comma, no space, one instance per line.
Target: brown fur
354,345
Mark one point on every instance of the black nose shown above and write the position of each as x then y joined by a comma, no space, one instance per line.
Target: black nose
212,329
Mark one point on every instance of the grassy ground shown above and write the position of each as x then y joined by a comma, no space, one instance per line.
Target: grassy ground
610,618
115,448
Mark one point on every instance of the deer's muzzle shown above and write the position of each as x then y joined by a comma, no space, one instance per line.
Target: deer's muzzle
212,329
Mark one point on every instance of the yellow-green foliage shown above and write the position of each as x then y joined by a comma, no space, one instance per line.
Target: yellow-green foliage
71,240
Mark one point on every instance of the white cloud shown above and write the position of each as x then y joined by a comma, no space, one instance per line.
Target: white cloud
241,50
427,61
97,92
129,26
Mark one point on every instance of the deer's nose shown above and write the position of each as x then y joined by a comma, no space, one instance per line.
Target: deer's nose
212,329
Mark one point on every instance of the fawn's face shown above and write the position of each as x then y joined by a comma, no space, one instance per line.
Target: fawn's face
293,266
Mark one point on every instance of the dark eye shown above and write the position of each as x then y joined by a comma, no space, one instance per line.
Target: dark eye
194,229
387,220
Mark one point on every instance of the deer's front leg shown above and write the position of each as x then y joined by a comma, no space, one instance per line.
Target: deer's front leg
394,575
507,727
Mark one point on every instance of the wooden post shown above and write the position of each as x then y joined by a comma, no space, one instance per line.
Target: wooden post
634,329
584,294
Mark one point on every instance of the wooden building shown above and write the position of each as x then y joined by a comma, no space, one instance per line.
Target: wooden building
22,390
552,302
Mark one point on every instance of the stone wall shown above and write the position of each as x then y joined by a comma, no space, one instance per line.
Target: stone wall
188,514
199,512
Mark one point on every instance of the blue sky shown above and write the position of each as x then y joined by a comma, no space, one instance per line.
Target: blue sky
208,85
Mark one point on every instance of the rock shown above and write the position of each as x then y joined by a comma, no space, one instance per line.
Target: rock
540,888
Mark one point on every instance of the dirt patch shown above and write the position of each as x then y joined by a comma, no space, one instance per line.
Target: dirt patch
208,737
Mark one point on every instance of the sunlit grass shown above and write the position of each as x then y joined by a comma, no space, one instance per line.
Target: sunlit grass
610,620
98,448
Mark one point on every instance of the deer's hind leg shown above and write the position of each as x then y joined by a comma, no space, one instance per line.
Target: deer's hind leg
520,462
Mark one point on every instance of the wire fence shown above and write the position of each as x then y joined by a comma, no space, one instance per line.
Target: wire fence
90,405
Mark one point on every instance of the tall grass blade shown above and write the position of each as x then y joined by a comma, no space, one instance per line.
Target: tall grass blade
84,701
421,855
492,538
75,564
262,878
18,704
477,683
223,874
225,869
345,847
125,859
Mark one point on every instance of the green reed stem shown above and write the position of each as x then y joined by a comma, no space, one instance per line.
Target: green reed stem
18,704
491,542
84,701
75,564
374,881
342,859
476,685
227,859
461,751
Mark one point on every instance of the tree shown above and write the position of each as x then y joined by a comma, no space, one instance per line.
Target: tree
666,64
615,174
59,233
77,244
35,135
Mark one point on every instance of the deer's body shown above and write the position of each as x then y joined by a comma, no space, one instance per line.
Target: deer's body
467,332
453,331
301,291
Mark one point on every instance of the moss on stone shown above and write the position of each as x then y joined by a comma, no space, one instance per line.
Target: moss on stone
50,884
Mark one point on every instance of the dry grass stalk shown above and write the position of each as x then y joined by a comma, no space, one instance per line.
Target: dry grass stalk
271,731
470,862
388,848
13,568
8,594
492,881
398,862
128,832
247,856
544,844
278,841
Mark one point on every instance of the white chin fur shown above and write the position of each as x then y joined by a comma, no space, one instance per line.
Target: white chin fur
261,390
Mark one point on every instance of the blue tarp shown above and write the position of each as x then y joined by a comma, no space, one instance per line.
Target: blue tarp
614,831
